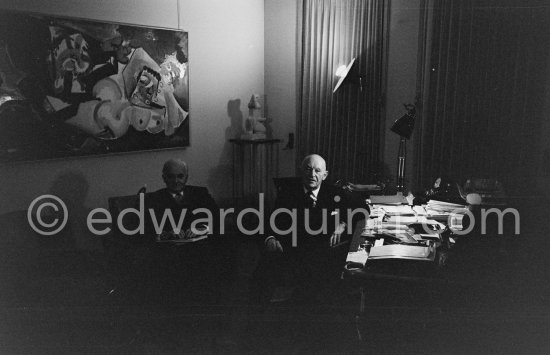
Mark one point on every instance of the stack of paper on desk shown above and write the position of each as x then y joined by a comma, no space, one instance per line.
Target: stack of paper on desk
397,199
400,251
451,213
397,209
427,236
399,232
440,207
375,227
392,210
400,214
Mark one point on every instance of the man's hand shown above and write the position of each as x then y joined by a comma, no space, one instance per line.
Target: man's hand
335,237
273,245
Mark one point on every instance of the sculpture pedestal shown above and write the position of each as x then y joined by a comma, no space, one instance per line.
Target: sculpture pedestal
253,136
255,164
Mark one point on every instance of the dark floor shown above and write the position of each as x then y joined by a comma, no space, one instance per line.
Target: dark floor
63,301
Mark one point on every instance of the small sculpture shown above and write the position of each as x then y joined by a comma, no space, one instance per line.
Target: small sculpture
254,127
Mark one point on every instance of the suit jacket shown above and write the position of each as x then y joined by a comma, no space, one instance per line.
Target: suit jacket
321,218
194,198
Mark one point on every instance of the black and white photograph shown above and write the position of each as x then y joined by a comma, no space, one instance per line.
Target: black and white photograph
274,176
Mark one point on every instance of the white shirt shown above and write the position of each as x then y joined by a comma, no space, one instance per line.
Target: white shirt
315,192
176,194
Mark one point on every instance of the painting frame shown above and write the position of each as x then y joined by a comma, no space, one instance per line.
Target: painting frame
73,87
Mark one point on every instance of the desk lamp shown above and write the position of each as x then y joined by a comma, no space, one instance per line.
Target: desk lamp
403,126
344,73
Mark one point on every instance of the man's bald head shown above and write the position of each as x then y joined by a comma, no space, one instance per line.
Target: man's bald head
316,159
174,163
175,174
314,171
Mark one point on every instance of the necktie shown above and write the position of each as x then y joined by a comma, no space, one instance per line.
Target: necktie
312,200
179,198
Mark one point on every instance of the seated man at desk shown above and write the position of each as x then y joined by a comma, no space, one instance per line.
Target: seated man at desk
187,264
306,254
176,198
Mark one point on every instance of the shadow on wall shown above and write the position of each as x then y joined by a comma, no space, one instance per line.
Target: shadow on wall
268,118
71,188
21,246
220,180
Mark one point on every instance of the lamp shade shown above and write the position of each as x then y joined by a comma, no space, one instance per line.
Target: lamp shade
405,124
343,74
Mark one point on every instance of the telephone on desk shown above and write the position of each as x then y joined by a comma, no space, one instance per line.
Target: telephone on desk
489,191
445,190
475,191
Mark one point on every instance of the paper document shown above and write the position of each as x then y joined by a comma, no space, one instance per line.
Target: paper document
183,241
434,207
399,251
358,257
419,210
398,209
426,236
445,204
401,214
402,219
392,199
378,242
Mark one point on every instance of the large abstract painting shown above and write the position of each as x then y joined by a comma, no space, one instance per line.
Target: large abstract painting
72,87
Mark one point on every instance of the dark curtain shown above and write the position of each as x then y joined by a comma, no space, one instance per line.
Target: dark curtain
345,127
483,71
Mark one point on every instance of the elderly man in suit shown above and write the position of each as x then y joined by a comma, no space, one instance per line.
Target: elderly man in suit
190,267
178,197
319,210
302,244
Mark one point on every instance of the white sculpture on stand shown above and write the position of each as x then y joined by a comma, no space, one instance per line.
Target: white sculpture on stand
254,127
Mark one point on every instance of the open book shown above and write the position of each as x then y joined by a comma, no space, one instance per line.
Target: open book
179,238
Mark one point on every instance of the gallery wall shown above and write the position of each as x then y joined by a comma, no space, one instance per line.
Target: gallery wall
226,66
228,58
236,48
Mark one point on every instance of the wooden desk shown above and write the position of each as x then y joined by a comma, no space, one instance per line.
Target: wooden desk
459,271
424,273
393,269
